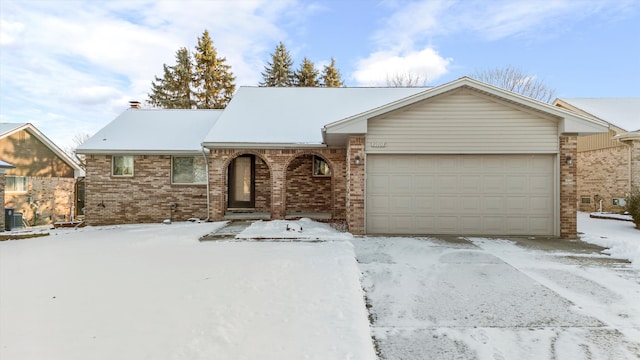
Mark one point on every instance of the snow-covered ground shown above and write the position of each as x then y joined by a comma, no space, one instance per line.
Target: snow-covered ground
156,292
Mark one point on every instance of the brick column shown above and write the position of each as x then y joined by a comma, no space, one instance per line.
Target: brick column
278,189
355,185
2,182
568,187
217,186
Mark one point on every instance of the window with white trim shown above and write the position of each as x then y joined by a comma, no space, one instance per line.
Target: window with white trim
16,184
122,166
188,170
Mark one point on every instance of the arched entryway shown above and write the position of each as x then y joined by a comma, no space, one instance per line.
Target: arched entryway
309,187
248,184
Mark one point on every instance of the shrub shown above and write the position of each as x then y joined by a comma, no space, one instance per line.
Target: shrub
633,207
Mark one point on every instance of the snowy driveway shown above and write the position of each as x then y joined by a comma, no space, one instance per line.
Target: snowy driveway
496,299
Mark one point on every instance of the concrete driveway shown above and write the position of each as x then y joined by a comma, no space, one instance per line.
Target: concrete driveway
459,298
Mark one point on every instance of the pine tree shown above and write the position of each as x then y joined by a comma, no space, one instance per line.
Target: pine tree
307,75
278,72
213,80
173,90
331,75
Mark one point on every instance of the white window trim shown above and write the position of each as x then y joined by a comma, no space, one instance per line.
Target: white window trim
113,159
17,191
204,182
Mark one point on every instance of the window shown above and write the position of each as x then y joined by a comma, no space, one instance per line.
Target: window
320,167
188,170
122,166
618,202
16,184
585,200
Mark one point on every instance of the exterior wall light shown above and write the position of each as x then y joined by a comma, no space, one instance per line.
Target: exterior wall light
357,160
569,160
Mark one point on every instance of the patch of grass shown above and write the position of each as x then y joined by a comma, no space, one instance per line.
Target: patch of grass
21,236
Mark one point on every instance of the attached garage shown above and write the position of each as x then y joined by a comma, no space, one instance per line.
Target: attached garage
460,194
463,158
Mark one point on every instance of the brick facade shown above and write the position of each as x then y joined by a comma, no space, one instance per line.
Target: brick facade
355,185
291,186
603,174
568,187
635,164
48,199
146,197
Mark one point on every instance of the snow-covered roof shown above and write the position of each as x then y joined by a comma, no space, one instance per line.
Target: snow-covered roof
621,112
5,165
158,131
294,116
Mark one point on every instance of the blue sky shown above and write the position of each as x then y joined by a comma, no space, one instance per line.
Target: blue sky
70,67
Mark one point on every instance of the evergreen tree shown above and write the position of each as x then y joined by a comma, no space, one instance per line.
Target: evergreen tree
173,90
278,72
213,79
331,75
307,75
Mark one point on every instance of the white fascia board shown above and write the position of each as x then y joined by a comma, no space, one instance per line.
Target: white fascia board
140,152
356,126
574,125
221,145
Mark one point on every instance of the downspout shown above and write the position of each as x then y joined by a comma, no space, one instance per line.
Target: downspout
206,167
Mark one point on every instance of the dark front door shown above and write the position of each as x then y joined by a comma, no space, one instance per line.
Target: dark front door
242,182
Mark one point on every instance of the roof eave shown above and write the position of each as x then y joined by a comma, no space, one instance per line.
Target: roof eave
256,145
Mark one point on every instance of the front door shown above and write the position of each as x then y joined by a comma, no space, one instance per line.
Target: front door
241,182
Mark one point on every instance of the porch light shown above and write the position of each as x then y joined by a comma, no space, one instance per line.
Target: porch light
357,160
569,160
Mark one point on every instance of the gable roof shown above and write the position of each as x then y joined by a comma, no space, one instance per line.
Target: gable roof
273,116
569,122
623,113
5,165
7,129
152,131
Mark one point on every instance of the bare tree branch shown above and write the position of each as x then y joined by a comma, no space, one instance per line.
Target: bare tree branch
514,79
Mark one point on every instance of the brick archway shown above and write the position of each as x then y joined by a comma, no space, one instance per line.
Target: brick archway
309,191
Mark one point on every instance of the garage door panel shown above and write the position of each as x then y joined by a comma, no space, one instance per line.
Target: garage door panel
460,194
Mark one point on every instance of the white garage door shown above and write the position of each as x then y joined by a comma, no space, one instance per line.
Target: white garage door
460,194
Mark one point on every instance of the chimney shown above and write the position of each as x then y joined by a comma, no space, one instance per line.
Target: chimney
134,104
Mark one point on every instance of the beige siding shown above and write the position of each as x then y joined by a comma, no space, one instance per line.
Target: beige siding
598,141
463,121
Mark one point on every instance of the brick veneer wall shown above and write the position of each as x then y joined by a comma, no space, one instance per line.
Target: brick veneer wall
603,174
2,182
48,199
635,164
355,185
307,193
568,187
145,197
277,161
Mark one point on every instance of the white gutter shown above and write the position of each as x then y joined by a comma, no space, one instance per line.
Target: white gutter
206,168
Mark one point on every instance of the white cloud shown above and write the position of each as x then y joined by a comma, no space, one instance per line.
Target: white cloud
380,66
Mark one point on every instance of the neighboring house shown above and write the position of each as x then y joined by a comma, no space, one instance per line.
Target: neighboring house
3,167
40,186
608,163
463,158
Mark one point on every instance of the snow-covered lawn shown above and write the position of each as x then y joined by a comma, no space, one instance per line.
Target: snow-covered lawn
156,292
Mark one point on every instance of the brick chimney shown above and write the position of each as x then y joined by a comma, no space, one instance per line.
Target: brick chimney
135,104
